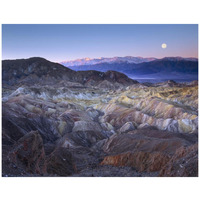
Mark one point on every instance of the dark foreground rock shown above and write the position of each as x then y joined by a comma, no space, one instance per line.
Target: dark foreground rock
113,171
60,162
28,154
184,163
150,151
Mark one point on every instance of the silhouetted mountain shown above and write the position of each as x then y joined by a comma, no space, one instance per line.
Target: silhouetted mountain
41,71
164,66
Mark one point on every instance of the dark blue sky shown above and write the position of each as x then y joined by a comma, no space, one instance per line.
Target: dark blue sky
66,42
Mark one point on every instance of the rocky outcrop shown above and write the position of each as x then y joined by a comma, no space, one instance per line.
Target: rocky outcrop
85,138
94,114
60,162
128,126
184,163
28,153
86,126
146,126
10,132
141,161
144,150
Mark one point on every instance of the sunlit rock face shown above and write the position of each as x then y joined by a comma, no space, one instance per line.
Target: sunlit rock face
96,121
172,109
128,126
150,150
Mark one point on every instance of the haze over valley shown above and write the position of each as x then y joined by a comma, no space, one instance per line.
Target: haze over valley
142,69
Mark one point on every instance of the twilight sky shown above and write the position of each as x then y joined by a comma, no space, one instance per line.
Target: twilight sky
61,42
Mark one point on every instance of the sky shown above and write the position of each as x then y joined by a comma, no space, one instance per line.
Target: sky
61,42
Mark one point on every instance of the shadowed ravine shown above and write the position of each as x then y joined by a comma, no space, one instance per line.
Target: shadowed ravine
58,122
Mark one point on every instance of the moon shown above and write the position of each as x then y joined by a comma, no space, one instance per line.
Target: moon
164,46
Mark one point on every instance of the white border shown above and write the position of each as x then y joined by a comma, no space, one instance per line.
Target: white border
104,11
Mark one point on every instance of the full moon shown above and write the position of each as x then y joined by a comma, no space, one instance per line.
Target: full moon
164,46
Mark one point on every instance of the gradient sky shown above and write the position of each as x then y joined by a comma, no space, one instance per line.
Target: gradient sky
61,42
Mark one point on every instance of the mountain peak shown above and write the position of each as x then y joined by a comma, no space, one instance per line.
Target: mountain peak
92,61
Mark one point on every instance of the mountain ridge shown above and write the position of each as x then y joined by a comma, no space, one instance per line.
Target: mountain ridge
118,59
39,70
168,67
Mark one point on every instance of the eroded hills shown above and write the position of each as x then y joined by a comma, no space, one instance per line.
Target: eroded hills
58,122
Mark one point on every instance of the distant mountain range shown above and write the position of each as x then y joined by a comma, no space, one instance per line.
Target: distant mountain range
93,61
142,68
127,59
38,70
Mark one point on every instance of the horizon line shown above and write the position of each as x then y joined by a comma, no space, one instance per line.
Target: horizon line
99,58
